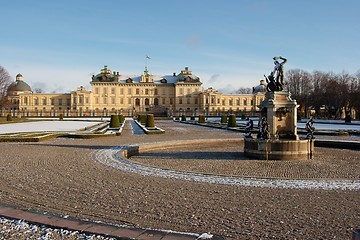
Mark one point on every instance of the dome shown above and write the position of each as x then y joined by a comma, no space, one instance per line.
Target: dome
260,88
106,75
187,76
18,86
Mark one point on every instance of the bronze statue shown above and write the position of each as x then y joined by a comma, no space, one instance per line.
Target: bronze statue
249,126
279,69
275,80
264,129
310,129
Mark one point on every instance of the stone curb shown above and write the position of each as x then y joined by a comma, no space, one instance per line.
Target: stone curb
88,227
352,145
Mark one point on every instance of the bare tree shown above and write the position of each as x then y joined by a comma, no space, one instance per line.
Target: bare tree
38,90
244,90
5,81
299,84
354,94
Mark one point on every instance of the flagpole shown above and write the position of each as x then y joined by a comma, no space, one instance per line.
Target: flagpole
146,63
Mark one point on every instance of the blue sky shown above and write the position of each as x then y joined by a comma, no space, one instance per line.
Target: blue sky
58,45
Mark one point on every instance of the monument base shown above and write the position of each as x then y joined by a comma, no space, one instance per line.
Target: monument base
279,149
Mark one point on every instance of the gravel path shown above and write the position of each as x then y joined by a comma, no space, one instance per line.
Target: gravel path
63,176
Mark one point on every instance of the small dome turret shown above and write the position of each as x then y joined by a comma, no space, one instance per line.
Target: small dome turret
260,88
19,86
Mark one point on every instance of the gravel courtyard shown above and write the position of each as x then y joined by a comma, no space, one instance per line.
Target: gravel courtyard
62,176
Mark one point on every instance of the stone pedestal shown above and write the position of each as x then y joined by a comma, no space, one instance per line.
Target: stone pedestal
284,143
279,149
281,114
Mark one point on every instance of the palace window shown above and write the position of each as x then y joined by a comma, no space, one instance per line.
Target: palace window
196,101
156,101
137,91
163,100
245,101
188,100
147,102
181,91
129,100
44,101
171,101
129,91
156,91
230,102
237,101
146,91
121,101
96,90
121,91
188,91
252,102
105,90
60,101
180,100
112,100
137,102
52,101
36,101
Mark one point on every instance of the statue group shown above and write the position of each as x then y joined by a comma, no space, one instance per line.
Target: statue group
275,81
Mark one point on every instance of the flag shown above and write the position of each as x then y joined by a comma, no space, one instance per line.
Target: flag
148,57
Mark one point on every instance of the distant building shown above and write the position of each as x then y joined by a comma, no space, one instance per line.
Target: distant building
114,93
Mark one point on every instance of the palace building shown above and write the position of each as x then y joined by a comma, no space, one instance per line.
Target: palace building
114,93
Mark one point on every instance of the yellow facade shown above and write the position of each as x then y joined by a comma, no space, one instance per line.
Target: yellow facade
113,93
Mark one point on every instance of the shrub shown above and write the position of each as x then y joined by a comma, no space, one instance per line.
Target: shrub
121,118
9,117
183,118
150,123
232,120
177,118
243,116
114,121
224,119
142,119
61,117
202,119
192,118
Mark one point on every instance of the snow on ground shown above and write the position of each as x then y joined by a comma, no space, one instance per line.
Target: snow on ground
110,157
19,229
52,126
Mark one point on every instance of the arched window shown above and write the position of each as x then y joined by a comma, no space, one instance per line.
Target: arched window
156,101
147,102
137,102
